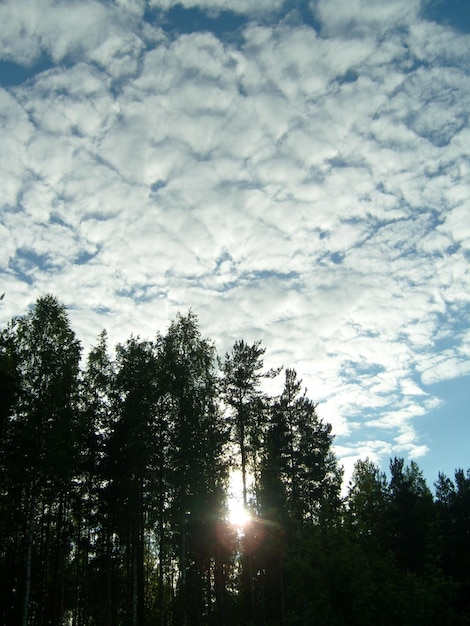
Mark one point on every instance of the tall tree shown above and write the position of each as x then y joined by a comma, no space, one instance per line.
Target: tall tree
302,445
367,503
410,515
93,566
42,458
242,377
10,486
453,512
197,460
300,485
131,481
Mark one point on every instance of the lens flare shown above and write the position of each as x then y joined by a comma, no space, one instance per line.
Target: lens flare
238,516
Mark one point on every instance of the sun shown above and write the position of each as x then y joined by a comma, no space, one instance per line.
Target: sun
238,516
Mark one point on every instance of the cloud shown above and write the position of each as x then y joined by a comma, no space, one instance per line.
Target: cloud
358,16
214,7
306,189
445,366
15,132
59,30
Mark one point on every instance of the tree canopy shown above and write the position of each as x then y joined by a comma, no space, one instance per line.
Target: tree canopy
114,482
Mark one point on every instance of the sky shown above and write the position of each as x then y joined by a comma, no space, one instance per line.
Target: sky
292,171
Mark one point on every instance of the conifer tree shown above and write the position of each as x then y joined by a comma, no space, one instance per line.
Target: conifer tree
197,461
242,377
40,464
367,503
410,514
302,445
300,485
113,487
94,567
131,481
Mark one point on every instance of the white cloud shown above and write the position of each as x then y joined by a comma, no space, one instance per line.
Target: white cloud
445,366
434,43
290,188
339,17
65,29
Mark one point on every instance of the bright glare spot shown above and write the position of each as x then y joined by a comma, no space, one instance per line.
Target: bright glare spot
237,515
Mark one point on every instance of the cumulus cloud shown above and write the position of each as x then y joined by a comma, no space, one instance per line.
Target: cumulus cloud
359,16
60,30
307,189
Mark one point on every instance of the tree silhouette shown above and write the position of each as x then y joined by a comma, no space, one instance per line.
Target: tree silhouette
113,494
41,461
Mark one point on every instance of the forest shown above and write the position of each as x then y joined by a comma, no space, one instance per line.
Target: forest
115,470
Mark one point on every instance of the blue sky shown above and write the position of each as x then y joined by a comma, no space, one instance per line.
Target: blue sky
296,172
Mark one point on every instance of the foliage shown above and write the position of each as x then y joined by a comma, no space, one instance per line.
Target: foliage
113,494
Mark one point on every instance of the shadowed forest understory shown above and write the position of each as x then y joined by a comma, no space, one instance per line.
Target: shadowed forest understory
114,481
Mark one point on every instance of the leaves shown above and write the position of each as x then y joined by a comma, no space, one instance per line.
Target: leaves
113,488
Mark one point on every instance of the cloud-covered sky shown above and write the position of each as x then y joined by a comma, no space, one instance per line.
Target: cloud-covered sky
296,172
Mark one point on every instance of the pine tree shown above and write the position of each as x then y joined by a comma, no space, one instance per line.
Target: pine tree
94,568
367,502
410,515
41,462
302,445
242,378
453,513
300,485
130,479
197,460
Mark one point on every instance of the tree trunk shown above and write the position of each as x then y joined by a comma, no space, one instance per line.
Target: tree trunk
134,573
28,560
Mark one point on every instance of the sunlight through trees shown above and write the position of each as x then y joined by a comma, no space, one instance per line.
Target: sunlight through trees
163,486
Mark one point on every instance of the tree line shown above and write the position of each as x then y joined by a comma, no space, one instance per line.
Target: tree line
114,477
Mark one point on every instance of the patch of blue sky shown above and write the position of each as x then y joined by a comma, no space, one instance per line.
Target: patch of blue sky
225,287
441,428
454,318
453,248
439,135
26,263
222,258
101,215
142,293
102,309
454,13
57,219
338,162
337,257
301,10
85,257
232,280
178,20
228,25
273,275
13,74
158,185
350,76
357,371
